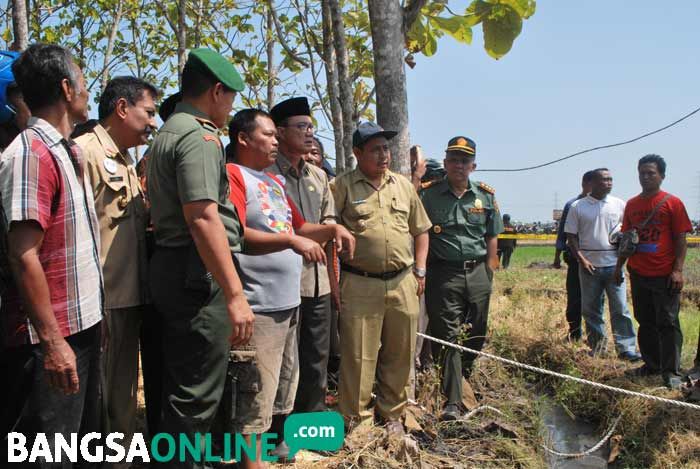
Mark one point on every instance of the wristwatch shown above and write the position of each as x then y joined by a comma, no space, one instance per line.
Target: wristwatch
418,272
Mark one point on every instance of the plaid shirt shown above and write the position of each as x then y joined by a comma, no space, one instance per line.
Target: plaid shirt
40,175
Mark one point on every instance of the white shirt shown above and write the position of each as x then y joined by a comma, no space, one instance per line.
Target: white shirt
593,221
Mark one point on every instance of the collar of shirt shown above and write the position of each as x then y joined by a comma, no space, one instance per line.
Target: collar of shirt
189,109
54,139
285,166
446,188
107,143
358,176
593,200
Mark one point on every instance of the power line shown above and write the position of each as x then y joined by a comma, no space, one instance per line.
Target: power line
602,147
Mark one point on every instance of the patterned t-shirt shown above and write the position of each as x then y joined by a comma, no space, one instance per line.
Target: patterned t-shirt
42,180
271,281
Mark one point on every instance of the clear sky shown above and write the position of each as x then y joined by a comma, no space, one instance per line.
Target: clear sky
581,74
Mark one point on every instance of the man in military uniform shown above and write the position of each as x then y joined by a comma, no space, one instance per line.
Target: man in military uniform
126,119
307,185
381,285
466,223
506,246
194,284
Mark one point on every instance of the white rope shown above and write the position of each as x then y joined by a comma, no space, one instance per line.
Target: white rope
662,400
591,450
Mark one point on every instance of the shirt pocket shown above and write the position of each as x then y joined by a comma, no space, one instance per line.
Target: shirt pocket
475,216
358,217
116,196
399,213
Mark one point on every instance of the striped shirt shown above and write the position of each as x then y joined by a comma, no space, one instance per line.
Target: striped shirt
40,174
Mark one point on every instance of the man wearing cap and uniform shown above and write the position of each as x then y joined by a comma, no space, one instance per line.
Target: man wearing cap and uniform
381,285
307,186
194,284
463,255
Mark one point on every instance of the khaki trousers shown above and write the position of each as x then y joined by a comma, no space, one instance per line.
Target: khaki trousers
377,328
121,370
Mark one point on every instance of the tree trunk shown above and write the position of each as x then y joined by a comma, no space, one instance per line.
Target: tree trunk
110,44
181,38
386,20
344,86
20,28
271,71
332,86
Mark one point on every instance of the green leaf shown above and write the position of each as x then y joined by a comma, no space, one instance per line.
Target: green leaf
431,45
501,27
524,8
417,36
456,26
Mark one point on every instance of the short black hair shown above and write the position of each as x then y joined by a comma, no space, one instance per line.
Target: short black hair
596,172
588,176
242,121
652,158
130,88
39,71
195,81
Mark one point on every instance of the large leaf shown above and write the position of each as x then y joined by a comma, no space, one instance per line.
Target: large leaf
456,26
430,47
524,8
417,36
501,26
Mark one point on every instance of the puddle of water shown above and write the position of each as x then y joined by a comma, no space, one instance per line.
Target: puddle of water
567,435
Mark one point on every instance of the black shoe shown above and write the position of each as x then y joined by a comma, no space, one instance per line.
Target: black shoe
673,382
630,356
644,370
450,413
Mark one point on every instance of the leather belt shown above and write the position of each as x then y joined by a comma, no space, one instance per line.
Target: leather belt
464,265
382,276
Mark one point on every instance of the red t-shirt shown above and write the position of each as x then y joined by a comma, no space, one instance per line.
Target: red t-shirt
655,254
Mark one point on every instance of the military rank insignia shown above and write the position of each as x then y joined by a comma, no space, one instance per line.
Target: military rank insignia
478,204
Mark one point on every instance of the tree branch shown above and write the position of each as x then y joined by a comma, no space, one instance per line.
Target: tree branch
282,39
411,12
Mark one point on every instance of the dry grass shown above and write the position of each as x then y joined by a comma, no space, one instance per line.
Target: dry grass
527,324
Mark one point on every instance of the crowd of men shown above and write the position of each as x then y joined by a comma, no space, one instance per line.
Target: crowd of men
243,274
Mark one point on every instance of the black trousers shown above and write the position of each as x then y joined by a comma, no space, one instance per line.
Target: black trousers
314,349
659,335
573,299
31,405
504,255
151,347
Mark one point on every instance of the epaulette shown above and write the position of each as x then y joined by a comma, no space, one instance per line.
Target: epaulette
486,188
205,122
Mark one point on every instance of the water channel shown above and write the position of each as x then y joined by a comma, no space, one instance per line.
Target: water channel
568,435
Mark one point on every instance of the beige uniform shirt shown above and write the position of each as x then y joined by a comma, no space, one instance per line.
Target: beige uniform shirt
384,222
308,187
122,216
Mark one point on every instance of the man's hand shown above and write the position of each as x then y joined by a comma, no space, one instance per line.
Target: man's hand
344,242
60,366
421,284
242,319
617,276
675,281
493,263
590,268
309,249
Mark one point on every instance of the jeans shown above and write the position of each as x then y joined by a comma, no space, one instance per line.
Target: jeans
592,288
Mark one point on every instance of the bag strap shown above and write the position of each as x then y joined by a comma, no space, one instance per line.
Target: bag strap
654,210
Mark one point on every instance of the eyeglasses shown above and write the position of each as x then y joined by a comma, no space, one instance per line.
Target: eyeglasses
302,127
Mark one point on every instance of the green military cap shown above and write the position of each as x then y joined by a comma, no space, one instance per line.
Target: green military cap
212,62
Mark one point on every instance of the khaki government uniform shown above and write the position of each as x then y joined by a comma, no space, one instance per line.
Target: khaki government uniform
458,280
308,188
186,164
379,316
123,217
